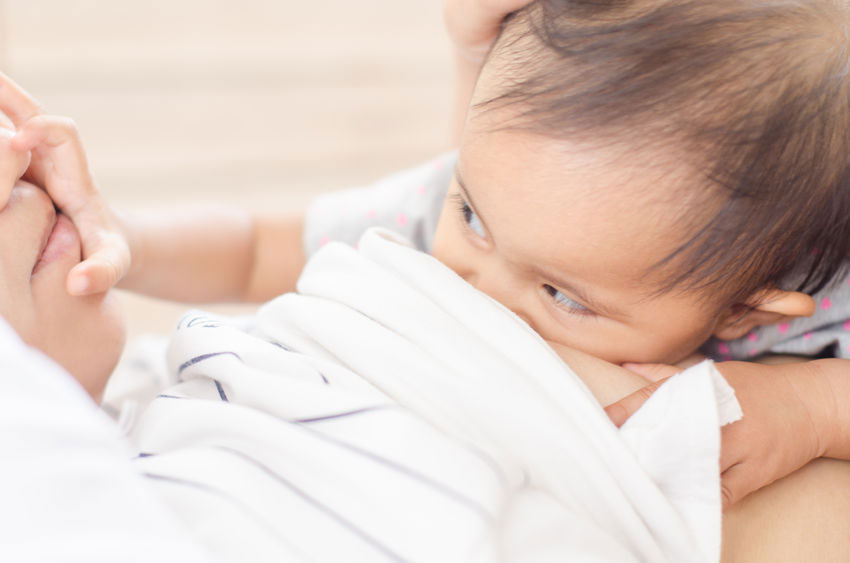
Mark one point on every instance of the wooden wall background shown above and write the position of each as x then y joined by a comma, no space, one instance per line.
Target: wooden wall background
256,102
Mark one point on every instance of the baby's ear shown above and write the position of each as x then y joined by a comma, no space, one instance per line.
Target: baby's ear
767,307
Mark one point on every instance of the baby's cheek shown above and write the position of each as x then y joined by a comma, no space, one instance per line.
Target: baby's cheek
682,347
646,346
609,345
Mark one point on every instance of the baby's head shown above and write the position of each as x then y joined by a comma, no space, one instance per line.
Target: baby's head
637,176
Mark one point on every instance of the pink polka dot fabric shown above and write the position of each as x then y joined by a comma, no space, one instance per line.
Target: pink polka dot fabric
825,334
407,202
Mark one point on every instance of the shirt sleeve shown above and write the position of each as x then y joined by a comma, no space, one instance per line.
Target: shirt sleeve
408,202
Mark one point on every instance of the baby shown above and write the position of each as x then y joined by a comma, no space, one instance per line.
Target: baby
633,179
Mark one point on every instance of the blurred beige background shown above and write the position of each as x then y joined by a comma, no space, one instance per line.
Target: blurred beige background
256,102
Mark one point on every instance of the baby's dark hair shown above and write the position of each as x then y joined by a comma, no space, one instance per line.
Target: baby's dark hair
755,92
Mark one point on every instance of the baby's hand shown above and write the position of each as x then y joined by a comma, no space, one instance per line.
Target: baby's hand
59,166
787,409
473,25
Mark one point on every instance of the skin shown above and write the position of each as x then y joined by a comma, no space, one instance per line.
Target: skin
472,26
566,233
84,335
39,247
506,231
612,239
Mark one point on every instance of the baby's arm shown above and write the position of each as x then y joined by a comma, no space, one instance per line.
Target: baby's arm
213,253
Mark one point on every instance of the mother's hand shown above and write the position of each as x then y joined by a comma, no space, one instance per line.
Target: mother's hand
779,433
473,25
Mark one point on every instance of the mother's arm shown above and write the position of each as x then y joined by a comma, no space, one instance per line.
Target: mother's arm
804,516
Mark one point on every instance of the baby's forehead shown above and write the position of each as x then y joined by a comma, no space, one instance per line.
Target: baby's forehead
567,208
656,181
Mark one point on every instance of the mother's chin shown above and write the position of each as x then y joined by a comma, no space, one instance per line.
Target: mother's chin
37,250
85,337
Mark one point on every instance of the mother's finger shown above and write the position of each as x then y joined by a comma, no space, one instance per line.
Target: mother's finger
740,480
732,451
16,103
472,22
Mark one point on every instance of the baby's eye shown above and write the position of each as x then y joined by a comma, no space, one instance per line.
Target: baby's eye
565,301
472,219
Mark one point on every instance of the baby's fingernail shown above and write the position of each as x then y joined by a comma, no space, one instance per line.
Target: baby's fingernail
78,285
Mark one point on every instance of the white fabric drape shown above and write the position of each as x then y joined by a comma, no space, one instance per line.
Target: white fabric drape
390,411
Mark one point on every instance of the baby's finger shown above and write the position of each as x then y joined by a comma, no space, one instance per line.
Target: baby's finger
99,272
50,130
59,137
13,164
16,103
623,409
6,123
